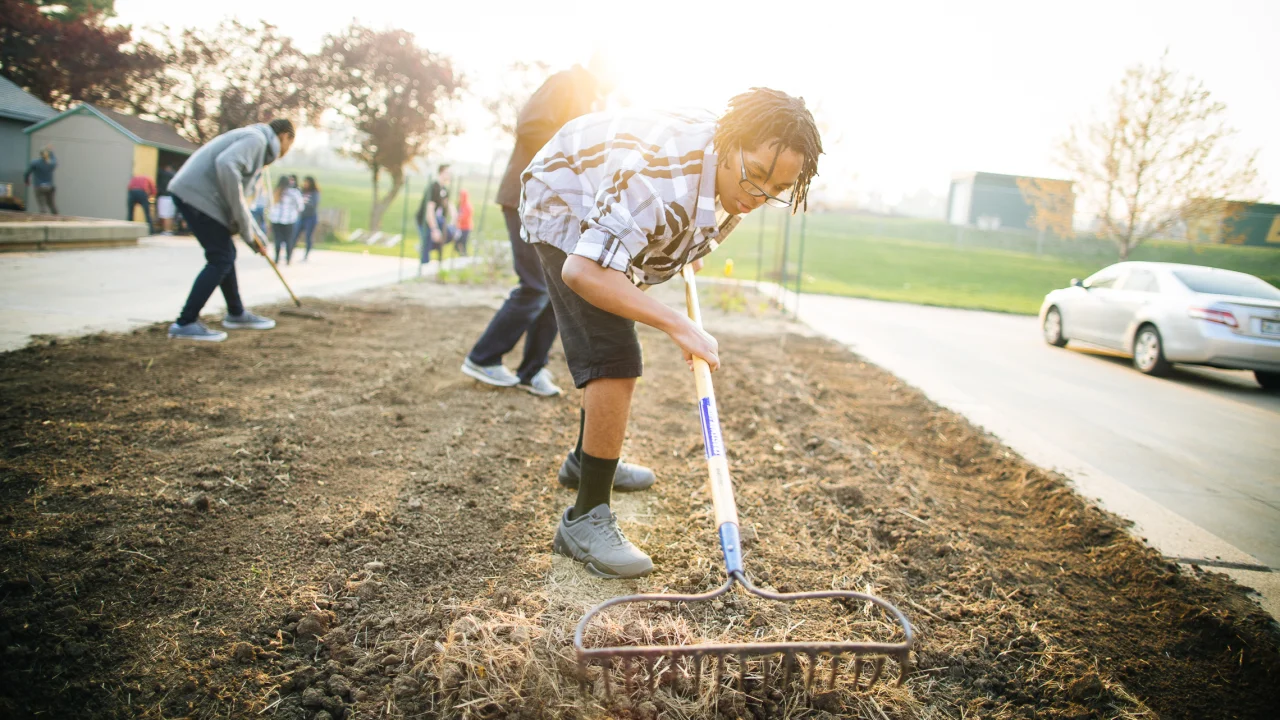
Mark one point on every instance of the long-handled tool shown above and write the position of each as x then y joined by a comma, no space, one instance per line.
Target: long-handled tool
721,656
262,248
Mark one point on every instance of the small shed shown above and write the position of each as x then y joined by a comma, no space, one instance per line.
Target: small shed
19,110
98,151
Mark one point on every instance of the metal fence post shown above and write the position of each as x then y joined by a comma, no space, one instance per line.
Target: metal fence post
786,250
404,227
484,205
800,263
760,249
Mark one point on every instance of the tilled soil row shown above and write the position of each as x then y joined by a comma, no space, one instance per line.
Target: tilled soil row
328,521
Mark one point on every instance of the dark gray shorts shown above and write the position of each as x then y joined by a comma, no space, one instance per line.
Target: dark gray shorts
597,344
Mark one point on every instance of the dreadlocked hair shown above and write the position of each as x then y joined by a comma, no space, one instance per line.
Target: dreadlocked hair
762,116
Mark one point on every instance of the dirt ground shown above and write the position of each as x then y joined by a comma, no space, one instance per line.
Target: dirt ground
328,521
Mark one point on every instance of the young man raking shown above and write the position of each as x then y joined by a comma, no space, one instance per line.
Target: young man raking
618,201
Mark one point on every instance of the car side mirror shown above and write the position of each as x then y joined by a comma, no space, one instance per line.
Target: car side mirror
1075,282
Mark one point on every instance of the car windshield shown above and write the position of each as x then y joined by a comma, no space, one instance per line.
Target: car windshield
1227,283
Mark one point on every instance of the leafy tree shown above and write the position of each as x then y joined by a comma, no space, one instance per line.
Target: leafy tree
228,77
393,93
1160,157
77,59
76,9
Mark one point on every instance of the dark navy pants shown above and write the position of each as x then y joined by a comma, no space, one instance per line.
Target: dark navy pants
220,264
527,311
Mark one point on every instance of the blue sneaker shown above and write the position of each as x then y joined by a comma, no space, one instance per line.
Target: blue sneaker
195,331
247,321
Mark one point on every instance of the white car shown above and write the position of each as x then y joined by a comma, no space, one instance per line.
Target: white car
1164,313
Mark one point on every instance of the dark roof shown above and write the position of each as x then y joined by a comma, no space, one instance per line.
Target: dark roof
18,104
151,133
143,132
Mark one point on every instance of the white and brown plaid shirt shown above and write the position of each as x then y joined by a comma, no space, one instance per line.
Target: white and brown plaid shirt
633,190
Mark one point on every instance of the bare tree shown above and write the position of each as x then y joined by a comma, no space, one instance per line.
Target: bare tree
393,93
1053,204
518,85
1159,157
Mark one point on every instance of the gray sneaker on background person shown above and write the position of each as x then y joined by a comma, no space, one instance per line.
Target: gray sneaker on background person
247,321
195,331
541,384
497,375
627,478
596,541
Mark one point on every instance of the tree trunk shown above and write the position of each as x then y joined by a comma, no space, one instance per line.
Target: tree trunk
380,205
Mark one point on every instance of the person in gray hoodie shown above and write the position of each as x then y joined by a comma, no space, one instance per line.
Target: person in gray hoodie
209,190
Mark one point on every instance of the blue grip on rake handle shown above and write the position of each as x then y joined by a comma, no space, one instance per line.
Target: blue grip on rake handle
731,546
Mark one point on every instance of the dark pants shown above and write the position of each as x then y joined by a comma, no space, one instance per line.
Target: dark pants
308,225
220,264
139,197
461,242
527,310
286,235
44,198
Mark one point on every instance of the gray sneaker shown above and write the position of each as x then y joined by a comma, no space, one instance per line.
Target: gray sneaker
195,331
596,541
541,384
247,321
627,478
497,375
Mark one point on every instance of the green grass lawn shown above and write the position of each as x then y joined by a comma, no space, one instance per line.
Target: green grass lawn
909,271
905,260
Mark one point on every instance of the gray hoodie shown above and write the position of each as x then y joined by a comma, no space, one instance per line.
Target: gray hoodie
215,179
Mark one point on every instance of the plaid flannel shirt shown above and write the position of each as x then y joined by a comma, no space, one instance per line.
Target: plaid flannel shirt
633,191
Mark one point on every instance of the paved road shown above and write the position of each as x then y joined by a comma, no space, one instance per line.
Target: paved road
73,292
1204,444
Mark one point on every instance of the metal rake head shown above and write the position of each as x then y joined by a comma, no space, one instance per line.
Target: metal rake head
783,662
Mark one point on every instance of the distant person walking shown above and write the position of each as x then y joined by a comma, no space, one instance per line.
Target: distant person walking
310,211
141,190
434,213
164,201
284,214
209,191
527,310
41,169
464,222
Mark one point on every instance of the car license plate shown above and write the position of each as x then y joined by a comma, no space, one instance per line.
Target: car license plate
1270,327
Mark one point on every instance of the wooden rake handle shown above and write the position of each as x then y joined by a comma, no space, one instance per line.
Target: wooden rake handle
726,508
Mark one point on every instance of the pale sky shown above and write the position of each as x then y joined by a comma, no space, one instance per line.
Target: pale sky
909,93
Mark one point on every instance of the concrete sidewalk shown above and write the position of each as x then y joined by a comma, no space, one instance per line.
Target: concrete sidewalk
76,292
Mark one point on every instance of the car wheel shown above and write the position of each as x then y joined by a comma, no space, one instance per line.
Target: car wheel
1268,380
1148,352
1053,328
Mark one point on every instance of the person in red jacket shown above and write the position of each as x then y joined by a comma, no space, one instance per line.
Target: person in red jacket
141,190
464,222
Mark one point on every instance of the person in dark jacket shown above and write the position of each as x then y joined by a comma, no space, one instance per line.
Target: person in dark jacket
527,310
42,169
209,191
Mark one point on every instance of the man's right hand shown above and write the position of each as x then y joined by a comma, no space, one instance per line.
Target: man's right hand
696,342
435,235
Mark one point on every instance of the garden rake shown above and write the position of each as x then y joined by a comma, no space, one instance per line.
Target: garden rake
868,658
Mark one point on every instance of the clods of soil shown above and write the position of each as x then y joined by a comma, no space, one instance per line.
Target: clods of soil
328,521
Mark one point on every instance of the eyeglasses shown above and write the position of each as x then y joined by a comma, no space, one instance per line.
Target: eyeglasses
755,190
